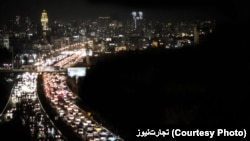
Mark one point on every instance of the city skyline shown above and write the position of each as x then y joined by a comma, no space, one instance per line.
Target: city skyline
181,73
68,10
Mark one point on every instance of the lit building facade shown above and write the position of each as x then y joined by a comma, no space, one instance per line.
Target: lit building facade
4,41
44,22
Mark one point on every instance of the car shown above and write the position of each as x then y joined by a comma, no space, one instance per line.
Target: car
80,131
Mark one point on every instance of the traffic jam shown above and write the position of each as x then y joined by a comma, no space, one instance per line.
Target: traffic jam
63,101
24,103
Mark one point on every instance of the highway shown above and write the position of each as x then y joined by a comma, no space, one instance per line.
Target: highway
25,104
46,106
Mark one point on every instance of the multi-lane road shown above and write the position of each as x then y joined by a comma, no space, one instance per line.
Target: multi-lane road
47,109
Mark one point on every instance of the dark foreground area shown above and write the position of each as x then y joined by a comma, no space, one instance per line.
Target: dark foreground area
198,86
14,130
5,88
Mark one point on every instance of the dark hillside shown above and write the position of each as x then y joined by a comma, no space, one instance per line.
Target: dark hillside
206,85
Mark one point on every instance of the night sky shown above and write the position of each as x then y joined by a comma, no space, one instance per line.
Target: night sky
157,9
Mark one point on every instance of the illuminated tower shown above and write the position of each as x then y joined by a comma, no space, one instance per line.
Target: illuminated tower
134,17
44,22
137,16
140,15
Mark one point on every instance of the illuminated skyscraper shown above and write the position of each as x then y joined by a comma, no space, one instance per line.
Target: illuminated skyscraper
44,21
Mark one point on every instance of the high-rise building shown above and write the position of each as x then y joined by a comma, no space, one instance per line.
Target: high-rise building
4,41
44,22
196,36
